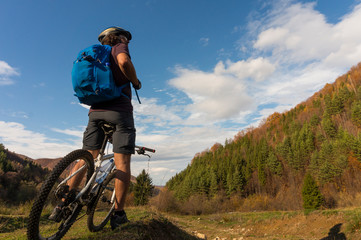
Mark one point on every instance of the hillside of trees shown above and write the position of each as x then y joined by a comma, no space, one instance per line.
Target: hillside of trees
320,137
20,177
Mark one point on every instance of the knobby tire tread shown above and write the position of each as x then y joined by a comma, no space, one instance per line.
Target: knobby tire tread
35,213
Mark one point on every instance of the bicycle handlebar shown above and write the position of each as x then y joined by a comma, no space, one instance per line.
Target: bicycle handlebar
140,148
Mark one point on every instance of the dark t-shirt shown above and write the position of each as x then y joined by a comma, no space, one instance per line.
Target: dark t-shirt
122,103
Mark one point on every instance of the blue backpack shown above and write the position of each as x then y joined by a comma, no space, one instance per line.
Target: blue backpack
92,77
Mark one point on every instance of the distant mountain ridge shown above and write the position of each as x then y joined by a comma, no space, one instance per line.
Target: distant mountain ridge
23,159
49,163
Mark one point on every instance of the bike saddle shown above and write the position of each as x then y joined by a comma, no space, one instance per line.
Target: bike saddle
107,127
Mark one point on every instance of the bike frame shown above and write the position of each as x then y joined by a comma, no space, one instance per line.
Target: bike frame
97,166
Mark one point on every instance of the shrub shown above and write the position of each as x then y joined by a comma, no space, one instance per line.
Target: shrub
142,189
165,201
26,192
257,202
195,205
311,195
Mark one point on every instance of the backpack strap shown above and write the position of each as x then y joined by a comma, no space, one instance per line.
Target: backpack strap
136,92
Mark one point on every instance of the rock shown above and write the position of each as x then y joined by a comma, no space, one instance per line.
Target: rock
201,236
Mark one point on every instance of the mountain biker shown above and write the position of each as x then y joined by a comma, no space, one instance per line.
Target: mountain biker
118,112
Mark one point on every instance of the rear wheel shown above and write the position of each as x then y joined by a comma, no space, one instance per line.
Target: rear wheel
53,192
103,205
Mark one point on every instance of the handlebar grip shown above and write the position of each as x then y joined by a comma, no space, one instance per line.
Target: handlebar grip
146,149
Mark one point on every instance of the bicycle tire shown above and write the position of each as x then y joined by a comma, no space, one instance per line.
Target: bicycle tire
97,222
38,216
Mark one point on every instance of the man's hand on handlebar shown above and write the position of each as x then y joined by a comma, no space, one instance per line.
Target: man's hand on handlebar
141,150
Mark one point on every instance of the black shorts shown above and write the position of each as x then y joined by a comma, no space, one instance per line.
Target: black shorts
123,137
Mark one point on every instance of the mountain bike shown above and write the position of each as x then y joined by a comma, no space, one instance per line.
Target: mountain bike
96,191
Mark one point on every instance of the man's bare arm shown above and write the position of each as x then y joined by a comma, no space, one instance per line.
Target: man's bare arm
127,67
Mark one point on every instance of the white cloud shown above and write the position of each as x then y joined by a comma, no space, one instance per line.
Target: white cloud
215,96
307,51
17,138
158,114
70,132
347,49
84,106
270,37
297,33
159,170
257,69
224,93
6,72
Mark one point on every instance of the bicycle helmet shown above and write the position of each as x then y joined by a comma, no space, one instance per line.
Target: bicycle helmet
114,30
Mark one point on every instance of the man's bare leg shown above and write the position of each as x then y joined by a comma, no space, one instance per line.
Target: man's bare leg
122,181
75,181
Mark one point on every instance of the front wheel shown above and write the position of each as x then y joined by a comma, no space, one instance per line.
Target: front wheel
53,192
103,205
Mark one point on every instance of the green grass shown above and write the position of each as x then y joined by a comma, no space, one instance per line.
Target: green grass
22,209
354,220
12,223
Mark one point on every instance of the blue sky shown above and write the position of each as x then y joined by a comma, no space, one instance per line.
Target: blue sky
209,69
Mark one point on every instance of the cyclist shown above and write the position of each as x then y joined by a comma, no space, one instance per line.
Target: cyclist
119,112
